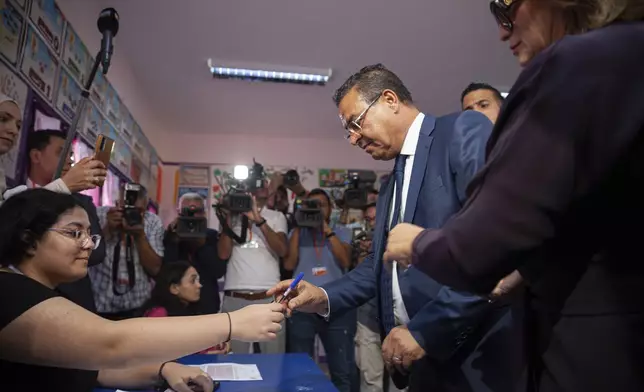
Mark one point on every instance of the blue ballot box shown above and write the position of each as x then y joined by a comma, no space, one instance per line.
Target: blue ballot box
280,373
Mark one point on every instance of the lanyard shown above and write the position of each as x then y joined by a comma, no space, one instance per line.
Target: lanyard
318,250
129,261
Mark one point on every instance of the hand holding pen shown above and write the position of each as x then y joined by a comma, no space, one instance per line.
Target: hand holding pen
300,295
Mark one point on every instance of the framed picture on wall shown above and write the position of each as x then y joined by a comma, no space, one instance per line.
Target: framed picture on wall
75,56
113,107
99,90
39,64
49,20
68,94
10,31
92,123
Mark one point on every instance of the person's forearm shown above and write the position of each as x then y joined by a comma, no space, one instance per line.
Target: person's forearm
224,246
148,257
340,251
290,261
134,378
152,340
275,241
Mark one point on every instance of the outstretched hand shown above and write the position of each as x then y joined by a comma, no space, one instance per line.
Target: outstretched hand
305,297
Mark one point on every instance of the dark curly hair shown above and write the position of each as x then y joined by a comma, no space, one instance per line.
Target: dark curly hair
25,218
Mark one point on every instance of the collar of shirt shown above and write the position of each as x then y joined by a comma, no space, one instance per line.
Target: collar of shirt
411,139
31,185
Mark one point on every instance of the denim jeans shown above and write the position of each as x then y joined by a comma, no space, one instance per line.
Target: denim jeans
337,336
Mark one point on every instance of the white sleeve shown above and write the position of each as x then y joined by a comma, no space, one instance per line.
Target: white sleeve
58,186
278,223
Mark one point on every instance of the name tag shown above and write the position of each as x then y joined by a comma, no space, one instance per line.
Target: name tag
319,271
250,245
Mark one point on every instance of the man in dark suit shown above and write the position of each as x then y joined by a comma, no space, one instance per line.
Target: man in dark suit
448,340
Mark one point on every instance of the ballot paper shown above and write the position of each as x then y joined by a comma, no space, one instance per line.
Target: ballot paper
231,372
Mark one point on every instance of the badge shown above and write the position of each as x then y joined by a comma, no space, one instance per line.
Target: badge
319,271
250,245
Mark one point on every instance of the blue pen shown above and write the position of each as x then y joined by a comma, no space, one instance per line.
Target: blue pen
292,286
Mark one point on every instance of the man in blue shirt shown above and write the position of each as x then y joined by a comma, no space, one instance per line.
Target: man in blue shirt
323,255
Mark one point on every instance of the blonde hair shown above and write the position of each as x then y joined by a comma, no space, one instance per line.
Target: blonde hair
585,15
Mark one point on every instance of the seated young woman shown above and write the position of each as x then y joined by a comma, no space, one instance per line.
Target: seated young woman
45,241
177,290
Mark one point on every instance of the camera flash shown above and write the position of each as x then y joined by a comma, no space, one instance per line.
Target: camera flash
240,172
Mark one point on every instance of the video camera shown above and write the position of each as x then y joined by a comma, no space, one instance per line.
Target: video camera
359,236
190,226
238,199
308,213
358,182
131,213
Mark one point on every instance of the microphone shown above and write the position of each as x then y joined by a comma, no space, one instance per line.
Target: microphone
108,25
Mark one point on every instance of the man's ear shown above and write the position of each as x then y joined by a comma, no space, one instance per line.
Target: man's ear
35,156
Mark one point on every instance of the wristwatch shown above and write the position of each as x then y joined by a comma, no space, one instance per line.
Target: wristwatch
260,223
331,234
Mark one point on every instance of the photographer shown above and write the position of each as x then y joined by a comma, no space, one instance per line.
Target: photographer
253,258
323,255
133,251
200,251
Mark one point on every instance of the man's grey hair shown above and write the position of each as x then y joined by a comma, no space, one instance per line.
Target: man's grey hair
191,196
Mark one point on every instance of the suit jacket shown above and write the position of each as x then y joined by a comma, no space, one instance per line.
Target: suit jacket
453,327
560,197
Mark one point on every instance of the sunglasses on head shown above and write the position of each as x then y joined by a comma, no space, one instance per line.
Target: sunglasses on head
503,12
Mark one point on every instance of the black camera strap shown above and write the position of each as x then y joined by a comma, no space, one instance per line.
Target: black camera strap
241,238
129,261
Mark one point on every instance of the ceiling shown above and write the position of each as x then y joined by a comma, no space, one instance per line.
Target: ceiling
436,46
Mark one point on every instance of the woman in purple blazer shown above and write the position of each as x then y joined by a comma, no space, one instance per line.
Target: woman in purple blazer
561,195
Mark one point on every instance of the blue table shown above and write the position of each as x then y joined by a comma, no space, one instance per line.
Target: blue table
280,373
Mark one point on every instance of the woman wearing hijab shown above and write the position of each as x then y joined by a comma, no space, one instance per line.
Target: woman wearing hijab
560,197
10,124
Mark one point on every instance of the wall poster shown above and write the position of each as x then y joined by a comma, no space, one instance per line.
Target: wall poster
12,86
49,20
113,108
39,64
92,123
330,178
10,31
76,56
68,95
98,91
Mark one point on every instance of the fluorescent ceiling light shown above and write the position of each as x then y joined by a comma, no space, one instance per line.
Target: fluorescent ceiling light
270,73
504,95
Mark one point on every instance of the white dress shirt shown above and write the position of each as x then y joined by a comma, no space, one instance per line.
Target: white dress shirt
408,149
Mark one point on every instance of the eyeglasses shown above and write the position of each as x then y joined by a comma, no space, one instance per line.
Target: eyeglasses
503,11
81,236
354,127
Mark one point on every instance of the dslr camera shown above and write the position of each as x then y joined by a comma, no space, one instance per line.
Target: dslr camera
360,236
190,226
308,213
358,182
291,178
238,198
131,213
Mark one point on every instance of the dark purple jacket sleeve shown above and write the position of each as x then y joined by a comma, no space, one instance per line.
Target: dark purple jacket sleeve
561,132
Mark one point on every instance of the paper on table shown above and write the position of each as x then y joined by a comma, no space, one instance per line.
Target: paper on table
232,372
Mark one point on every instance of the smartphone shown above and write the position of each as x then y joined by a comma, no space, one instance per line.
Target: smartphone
103,150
